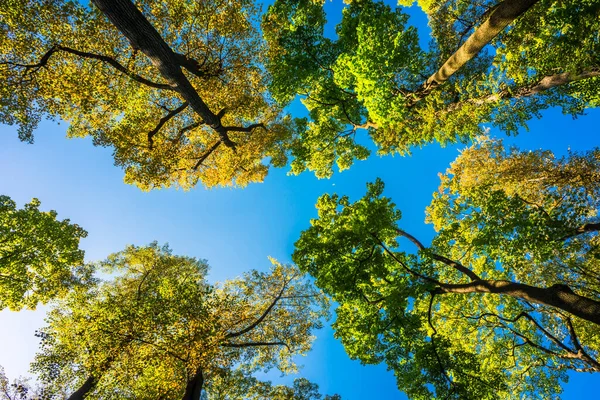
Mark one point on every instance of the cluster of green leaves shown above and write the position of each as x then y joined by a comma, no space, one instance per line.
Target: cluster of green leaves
372,75
158,325
237,385
39,255
383,311
502,216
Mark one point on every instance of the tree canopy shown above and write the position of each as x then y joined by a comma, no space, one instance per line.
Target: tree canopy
498,63
159,330
40,257
215,123
186,92
503,302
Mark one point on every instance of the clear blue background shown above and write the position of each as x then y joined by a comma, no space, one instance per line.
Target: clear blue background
236,229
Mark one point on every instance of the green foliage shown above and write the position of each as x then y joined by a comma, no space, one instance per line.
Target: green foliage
233,385
39,255
502,216
64,60
382,313
147,332
372,74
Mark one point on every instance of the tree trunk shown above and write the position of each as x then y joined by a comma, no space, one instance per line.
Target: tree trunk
125,16
84,389
193,389
504,14
559,296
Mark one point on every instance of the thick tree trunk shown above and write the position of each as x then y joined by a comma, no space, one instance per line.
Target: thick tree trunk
504,14
193,390
559,296
125,16
84,389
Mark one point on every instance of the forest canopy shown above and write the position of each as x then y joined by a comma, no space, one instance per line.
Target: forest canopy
202,100
215,124
158,329
502,303
494,63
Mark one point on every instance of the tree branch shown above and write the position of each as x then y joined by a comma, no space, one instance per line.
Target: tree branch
589,227
126,17
580,350
163,121
206,154
118,66
502,15
459,267
410,271
546,83
195,67
261,318
437,356
558,296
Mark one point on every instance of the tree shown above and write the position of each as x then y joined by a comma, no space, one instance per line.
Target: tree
232,385
159,330
504,301
12,391
375,76
20,389
40,257
121,82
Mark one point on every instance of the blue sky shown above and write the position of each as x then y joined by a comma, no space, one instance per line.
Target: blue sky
235,229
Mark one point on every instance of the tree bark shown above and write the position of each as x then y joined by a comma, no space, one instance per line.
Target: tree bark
504,14
125,16
559,296
84,389
193,389
546,83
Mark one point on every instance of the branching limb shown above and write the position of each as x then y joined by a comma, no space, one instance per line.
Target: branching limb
262,317
205,155
559,296
84,54
403,265
589,227
458,266
194,67
580,350
163,121
433,345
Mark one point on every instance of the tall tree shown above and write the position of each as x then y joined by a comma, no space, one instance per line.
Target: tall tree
234,385
20,389
40,257
159,330
504,301
176,88
494,62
